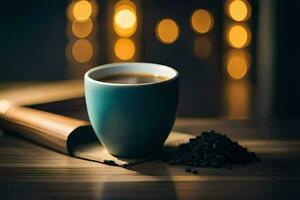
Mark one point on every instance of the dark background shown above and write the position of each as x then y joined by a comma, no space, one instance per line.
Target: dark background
34,41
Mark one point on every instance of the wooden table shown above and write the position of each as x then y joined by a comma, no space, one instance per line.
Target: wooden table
28,171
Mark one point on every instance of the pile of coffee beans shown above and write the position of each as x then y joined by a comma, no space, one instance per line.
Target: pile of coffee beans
210,149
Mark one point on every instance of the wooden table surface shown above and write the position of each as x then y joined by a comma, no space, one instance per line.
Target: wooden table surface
28,171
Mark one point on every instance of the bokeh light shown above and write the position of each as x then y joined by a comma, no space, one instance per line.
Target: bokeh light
70,11
82,10
237,67
82,50
238,36
167,31
124,48
125,18
202,47
125,4
237,63
95,8
202,21
237,102
82,29
238,10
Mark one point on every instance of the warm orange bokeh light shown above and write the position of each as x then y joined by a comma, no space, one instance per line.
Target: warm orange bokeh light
238,36
82,29
237,104
70,11
125,4
82,10
202,47
125,18
237,63
167,31
82,50
238,10
202,21
237,67
124,48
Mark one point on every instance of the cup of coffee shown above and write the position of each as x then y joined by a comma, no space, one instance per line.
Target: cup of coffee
132,106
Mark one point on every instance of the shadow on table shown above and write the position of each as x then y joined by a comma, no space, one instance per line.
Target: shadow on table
153,182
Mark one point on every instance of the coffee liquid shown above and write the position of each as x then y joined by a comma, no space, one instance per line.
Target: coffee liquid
133,78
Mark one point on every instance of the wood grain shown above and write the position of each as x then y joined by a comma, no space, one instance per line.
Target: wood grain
28,171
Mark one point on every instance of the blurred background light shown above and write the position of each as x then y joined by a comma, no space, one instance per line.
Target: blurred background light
237,63
69,11
82,50
125,4
82,10
236,68
202,21
238,10
202,47
124,48
125,18
167,31
238,36
237,102
82,29
82,47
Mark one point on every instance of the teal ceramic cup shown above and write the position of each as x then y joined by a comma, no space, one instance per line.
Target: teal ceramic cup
132,120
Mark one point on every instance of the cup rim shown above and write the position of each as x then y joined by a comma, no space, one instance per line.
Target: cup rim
110,65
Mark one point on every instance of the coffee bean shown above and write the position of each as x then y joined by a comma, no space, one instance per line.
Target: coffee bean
211,149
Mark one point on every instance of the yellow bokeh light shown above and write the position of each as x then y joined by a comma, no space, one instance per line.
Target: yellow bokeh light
125,18
82,50
237,68
238,63
238,36
202,47
167,31
238,10
125,32
202,21
82,10
82,29
125,23
124,48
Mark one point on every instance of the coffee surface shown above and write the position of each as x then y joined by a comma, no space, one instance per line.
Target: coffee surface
132,78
